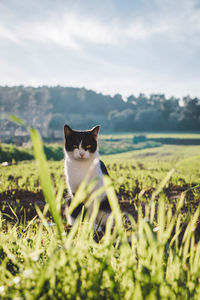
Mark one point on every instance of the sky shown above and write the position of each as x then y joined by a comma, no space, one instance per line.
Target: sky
110,46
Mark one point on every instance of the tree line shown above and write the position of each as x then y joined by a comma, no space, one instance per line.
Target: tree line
49,108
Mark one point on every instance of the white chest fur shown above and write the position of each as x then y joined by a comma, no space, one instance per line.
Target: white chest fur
76,170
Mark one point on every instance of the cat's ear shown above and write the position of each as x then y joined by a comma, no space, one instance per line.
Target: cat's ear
67,130
95,131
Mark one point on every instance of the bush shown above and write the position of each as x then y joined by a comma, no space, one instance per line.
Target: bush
11,152
53,152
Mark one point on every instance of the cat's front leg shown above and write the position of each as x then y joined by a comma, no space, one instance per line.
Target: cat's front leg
72,217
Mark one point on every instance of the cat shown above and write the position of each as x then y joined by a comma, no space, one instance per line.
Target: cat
81,155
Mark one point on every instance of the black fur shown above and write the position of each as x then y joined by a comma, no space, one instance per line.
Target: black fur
103,168
77,210
105,205
74,137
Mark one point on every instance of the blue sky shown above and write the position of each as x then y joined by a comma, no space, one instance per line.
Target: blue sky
111,46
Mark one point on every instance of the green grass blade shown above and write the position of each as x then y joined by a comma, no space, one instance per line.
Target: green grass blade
114,204
45,178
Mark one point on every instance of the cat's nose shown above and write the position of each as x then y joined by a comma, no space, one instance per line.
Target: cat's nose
81,155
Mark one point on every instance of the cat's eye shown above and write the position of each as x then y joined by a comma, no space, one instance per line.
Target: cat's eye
75,146
88,146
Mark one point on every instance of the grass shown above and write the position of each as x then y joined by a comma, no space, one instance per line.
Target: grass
175,135
148,166
115,146
155,255
10,153
108,144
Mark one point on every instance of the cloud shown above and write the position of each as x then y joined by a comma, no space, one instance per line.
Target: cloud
6,34
175,21
69,28
147,49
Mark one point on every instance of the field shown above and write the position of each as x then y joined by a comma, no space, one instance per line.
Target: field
108,144
152,253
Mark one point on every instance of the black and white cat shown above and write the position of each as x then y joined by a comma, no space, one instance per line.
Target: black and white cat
81,155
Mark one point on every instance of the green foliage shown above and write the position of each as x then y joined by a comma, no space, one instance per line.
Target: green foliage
45,178
53,152
121,145
11,152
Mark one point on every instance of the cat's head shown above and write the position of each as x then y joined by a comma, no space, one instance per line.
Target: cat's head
81,145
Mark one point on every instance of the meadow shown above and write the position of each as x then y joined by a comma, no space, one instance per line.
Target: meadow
153,252
108,144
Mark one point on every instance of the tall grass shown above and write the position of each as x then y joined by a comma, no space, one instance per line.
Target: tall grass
149,258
